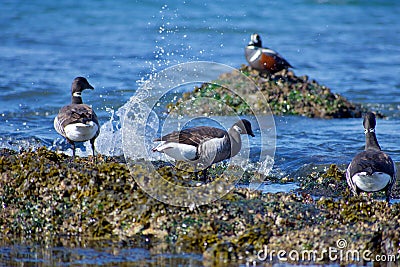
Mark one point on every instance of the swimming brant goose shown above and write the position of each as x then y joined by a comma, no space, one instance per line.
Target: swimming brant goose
204,145
262,58
77,122
371,170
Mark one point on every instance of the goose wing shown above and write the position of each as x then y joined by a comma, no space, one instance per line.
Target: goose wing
74,113
193,136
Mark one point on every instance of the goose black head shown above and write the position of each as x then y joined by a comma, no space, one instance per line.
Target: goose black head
79,84
245,127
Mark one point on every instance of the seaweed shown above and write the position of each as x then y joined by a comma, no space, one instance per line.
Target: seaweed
44,195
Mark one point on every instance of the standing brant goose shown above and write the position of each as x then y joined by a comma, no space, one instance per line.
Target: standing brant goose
77,122
264,59
204,145
371,170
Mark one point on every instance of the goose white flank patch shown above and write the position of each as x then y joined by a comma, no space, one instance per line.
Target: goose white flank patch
371,170
80,132
371,183
177,151
78,122
262,58
204,145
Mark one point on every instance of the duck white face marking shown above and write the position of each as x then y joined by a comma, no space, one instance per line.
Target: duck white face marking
77,94
371,183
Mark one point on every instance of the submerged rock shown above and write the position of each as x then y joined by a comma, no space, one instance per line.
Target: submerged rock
42,195
282,93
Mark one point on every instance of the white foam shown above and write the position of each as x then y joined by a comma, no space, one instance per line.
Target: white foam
109,142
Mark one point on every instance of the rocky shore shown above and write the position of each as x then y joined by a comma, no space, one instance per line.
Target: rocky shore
282,93
43,195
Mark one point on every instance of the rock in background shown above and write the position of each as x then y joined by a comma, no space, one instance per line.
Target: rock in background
282,93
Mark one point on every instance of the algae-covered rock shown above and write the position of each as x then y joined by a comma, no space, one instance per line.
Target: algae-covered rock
43,195
259,93
330,181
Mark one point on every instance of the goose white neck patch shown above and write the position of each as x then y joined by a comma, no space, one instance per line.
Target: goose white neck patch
237,129
372,130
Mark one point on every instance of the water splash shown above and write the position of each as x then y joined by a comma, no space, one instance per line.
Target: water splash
109,142
18,144
167,26
142,119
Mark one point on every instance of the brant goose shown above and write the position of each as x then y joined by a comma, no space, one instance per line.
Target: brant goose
77,122
264,59
371,170
204,145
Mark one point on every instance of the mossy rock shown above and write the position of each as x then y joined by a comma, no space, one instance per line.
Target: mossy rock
282,93
44,195
330,181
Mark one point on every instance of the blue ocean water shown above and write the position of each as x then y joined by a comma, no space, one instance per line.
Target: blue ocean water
350,46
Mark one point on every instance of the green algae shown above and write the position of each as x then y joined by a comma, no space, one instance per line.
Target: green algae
43,195
330,181
282,93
